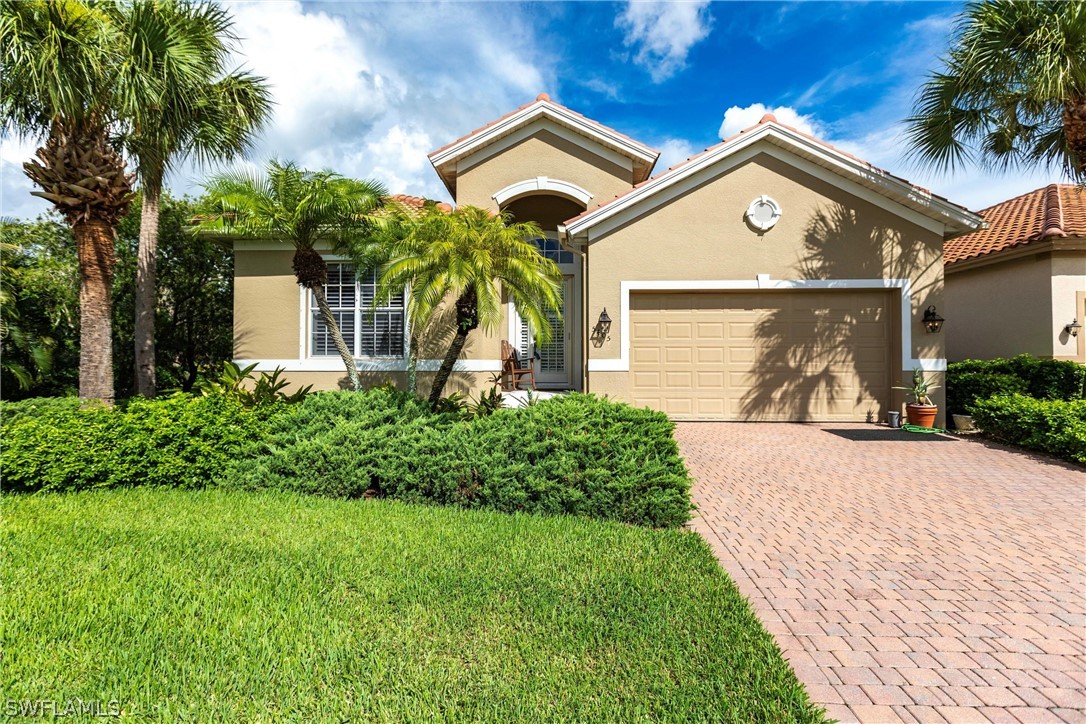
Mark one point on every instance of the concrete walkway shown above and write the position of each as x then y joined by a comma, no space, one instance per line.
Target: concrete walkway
905,577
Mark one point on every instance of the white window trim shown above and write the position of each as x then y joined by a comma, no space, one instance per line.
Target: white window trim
543,184
305,337
763,282
383,364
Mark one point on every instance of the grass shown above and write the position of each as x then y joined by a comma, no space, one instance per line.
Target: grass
220,605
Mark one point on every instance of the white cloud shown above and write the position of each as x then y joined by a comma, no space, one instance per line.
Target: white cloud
737,119
673,151
369,89
664,32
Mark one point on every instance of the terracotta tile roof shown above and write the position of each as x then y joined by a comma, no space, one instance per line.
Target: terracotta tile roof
1055,211
543,97
415,204
767,118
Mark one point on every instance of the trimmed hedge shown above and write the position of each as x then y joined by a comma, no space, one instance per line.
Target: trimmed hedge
575,454
965,388
177,441
1057,427
12,412
1044,379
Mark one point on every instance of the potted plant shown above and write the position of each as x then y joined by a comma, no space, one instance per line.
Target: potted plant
921,411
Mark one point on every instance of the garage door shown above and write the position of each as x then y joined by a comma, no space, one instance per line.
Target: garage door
796,355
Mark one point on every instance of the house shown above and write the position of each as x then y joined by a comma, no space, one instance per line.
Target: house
771,277
1019,285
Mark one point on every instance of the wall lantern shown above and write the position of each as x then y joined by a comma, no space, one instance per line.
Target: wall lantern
603,325
1072,327
932,320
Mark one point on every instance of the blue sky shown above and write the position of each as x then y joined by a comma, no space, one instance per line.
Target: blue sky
368,89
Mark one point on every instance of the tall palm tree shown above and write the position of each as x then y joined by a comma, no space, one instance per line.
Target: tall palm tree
472,257
299,207
202,111
60,61
1013,92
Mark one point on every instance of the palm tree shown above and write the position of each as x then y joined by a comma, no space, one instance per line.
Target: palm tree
1013,92
202,111
302,208
472,257
60,60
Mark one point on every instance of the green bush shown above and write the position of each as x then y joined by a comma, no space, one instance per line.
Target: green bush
1045,379
964,388
575,454
177,441
1057,427
11,412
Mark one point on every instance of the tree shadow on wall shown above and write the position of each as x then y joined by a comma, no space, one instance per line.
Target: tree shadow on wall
828,354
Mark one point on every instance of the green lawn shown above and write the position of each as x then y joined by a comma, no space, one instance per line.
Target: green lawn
233,605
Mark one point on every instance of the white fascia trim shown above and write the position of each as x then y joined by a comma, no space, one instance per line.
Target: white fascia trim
537,110
942,212
622,363
335,364
542,184
525,132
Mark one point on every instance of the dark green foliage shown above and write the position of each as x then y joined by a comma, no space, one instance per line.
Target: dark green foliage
242,385
43,280
1057,427
177,441
576,454
194,318
965,387
1045,379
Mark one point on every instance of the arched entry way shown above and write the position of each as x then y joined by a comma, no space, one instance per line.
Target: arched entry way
558,363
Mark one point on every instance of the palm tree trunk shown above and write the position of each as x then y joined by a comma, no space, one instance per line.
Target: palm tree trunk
447,364
95,239
337,336
146,289
1074,130
412,363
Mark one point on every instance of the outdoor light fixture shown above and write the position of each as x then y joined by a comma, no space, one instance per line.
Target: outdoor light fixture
932,320
1072,327
603,326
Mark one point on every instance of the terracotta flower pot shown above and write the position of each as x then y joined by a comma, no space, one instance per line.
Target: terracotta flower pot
921,415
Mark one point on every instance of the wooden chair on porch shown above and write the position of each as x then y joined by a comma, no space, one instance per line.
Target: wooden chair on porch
513,368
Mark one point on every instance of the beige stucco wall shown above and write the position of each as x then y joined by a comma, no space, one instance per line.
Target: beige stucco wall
266,327
824,233
542,154
1068,297
1014,306
266,305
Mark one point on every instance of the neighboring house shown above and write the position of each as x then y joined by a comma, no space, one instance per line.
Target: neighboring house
771,277
1019,285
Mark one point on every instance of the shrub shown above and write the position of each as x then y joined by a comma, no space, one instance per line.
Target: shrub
1057,427
1045,379
964,388
177,441
575,454
11,412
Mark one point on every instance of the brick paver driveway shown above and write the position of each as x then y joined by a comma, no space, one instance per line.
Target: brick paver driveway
915,578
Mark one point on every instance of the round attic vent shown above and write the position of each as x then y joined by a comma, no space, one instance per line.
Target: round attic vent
763,213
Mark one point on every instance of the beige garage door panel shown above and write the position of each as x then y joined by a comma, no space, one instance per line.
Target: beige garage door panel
794,355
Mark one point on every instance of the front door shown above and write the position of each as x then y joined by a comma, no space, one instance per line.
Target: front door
553,360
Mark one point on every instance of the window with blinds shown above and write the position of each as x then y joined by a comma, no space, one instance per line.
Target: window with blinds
368,332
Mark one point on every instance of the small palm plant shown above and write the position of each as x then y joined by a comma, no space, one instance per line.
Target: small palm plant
302,208
920,388
471,257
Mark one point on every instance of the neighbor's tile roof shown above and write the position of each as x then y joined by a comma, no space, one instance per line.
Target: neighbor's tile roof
1055,211
767,118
